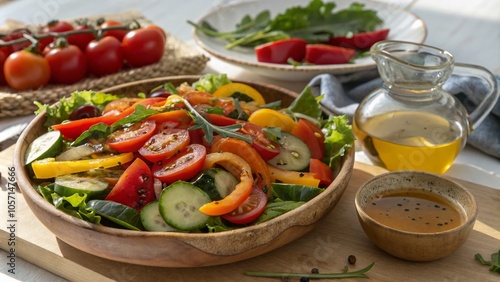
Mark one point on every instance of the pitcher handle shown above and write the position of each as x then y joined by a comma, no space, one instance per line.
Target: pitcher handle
488,102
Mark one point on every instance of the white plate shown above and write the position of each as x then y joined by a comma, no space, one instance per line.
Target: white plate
403,26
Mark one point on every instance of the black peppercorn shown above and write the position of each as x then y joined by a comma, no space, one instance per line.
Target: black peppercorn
351,259
315,270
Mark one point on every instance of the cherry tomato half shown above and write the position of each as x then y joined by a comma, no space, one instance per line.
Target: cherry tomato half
266,148
24,70
68,64
324,54
135,188
183,166
104,56
165,144
131,139
143,47
251,208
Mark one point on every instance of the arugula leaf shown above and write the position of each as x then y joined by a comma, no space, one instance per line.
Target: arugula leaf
61,111
338,138
315,23
96,131
306,103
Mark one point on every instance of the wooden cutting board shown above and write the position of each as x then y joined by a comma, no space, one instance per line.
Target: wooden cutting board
326,248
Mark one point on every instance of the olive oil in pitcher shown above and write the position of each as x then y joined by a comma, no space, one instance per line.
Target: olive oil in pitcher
411,141
410,122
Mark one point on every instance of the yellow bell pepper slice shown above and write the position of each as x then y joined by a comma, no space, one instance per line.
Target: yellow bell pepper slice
239,168
293,177
227,90
49,168
272,118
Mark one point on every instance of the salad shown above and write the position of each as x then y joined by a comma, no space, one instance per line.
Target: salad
209,156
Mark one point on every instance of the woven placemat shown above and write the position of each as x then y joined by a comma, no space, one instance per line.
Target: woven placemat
179,59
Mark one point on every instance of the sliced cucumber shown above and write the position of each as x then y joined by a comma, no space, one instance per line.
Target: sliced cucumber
294,153
151,218
118,213
67,185
179,204
44,146
216,182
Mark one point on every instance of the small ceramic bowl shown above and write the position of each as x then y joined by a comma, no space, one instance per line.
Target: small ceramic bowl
420,230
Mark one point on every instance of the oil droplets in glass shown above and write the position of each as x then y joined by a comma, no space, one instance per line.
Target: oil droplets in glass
421,212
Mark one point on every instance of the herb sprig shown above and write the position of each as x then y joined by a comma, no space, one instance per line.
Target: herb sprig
315,23
209,129
353,274
494,263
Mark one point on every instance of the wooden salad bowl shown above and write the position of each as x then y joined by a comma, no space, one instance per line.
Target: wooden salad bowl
179,249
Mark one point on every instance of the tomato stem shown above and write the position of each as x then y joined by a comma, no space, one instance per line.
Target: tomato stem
65,34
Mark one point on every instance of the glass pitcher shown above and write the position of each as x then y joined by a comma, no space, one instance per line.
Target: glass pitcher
411,123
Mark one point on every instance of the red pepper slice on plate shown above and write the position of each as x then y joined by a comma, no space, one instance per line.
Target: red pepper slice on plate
324,54
278,52
360,41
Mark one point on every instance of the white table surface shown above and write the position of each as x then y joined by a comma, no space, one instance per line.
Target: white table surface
470,30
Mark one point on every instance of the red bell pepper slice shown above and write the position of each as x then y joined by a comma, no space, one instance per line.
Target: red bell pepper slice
73,129
278,52
323,54
360,41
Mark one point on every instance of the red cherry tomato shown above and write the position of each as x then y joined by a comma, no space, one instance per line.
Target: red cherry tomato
165,144
116,33
24,70
183,166
312,136
143,47
81,40
53,26
153,26
68,64
251,208
324,54
104,56
3,56
131,139
360,41
266,148
135,187
321,171
278,52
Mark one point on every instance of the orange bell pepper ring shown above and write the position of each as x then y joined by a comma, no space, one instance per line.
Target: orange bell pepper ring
239,168
241,148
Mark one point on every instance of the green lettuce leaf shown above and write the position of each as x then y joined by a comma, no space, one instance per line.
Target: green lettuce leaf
338,138
307,104
211,82
61,111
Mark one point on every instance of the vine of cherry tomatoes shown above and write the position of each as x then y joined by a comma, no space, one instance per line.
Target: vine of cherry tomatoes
76,51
